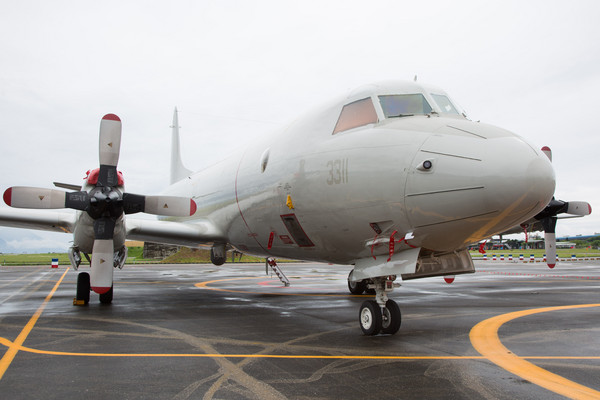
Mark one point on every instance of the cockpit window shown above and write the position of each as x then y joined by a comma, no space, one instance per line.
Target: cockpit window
402,105
444,103
358,113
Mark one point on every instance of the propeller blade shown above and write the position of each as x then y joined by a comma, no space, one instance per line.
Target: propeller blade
107,176
31,197
104,228
550,243
580,208
548,152
172,206
77,200
101,276
549,224
133,203
110,140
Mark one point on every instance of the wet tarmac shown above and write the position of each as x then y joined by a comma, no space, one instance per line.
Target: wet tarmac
231,332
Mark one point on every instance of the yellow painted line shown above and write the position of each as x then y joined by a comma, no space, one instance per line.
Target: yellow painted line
6,342
15,346
484,338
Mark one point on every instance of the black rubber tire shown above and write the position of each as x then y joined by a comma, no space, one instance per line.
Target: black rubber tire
216,260
106,298
392,318
83,287
369,317
356,288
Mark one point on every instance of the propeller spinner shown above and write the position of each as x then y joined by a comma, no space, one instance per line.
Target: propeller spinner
105,203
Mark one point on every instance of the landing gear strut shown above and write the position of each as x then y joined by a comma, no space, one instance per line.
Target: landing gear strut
382,314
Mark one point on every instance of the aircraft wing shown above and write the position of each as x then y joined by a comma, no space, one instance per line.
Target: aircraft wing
191,234
534,225
45,220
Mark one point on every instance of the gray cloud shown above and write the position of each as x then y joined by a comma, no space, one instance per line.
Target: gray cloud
530,67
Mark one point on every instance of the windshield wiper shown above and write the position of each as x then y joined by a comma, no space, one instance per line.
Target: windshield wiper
401,115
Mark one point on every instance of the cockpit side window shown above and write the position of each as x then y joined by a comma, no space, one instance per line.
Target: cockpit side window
401,105
358,113
444,104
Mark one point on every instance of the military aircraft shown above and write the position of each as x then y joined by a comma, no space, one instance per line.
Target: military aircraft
392,178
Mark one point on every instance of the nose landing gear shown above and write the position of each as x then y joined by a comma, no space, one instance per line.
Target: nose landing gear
382,314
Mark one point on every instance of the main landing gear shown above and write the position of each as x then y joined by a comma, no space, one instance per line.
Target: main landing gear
83,291
381,315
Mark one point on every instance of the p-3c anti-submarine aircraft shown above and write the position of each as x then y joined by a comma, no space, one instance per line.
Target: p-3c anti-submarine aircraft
392,179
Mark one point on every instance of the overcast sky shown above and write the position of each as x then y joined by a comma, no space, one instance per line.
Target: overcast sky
237,69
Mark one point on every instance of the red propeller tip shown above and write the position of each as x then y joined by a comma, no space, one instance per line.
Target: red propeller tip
100,289
8,196
546,148
193,207
112,117
551,266
590,207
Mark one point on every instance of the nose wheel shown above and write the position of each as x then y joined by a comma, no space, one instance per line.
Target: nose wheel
370,317
373,319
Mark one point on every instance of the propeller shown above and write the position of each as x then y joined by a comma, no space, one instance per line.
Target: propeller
549,217
105,202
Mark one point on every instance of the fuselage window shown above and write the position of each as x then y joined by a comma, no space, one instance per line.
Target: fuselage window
403,105
358,113
444,103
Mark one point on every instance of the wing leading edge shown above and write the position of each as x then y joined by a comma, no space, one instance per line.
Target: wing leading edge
54,221
193,234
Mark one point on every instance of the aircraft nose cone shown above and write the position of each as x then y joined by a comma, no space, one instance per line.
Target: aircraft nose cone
476,187
520,180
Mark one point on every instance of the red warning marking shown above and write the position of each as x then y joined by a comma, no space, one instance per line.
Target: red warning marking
100,289
392,245
482,247
271,236
92,177
449,279
111,117
373,247
8,196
